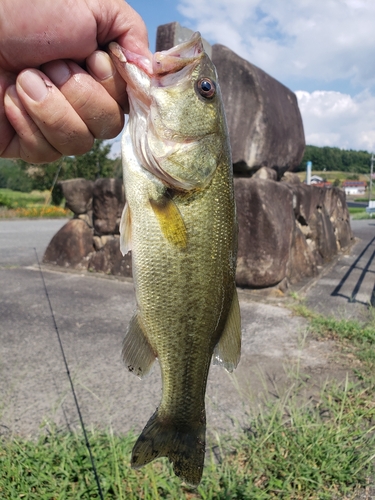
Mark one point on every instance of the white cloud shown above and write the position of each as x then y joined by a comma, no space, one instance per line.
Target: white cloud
305,43
336,119
327,40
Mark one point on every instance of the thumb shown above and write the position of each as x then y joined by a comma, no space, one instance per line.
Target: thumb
116,20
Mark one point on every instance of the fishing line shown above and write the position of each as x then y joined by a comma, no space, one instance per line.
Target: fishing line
70,381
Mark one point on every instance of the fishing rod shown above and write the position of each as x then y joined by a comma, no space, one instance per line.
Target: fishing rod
70,381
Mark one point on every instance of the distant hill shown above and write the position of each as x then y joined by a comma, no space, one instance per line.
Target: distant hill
336,159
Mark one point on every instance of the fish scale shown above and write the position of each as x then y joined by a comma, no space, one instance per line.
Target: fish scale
180,223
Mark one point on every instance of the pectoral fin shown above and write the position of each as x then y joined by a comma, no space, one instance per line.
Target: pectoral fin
136,350
170,221
125,231
227,351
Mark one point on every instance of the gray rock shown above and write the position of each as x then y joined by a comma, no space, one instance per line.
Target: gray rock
302,263
264,120
341,206
87,218
71,246
78,195
171,34
291,178
343,233
266,173
335,203
266,226
306,200
109,259
323,235
108,203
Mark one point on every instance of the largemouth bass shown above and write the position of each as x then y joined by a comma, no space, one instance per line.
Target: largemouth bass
180,223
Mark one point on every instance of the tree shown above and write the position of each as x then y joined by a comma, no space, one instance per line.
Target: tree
13,176
93,164
21,176
332,159
90,166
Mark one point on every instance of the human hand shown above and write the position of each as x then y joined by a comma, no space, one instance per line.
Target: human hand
49,104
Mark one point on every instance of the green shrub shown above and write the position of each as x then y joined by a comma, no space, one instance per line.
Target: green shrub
5,202
12,176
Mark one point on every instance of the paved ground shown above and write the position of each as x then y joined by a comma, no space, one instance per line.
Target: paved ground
92,312
348,287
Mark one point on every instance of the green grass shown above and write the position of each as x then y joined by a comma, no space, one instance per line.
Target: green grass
17,199
30,205
365,200
353,335
358,213
286,452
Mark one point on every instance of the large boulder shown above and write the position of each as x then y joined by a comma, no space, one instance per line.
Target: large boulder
78,195
108,258
266,227
302,262
337,209
286,230
265,173
264,121
323,217
108,203
71,246
171,34
306,200
323,235
291,178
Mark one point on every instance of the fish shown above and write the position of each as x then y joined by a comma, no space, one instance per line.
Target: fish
180,224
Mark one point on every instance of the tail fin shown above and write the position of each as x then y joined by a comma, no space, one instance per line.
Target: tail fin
185,447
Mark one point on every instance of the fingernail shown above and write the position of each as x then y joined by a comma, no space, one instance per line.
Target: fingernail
33,85
100,65
58,71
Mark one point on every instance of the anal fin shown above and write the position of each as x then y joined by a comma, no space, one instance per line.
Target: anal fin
227,351
137,353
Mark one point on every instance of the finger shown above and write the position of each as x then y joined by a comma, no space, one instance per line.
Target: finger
101,67
28,142
53,115
119,21
90,100
7,131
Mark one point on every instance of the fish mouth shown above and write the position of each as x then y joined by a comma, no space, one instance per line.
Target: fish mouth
164,62
122,56
178,57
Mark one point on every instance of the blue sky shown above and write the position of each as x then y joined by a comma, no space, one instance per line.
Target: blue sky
323,50
155,13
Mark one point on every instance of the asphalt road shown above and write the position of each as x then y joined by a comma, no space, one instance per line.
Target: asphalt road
92,312
347,287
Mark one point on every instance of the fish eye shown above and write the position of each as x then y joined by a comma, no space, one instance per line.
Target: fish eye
206,87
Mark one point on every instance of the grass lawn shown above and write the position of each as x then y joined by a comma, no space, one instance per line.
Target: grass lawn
34,205
319,450
359,213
